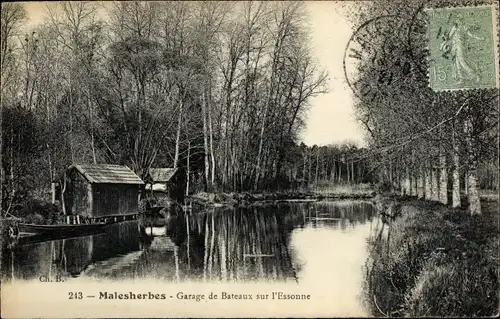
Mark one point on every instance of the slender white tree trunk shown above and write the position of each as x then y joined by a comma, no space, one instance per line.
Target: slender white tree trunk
415,184
205,140
71,122
472,185
413,177
456,181
348,172
332,174
210,130
420,184
434,184
428,185
92,142
352,172
443,182
456,175
188,168
340,172
178,136
473,192
317,167
391,179
409,184
304,168
261,140
403,189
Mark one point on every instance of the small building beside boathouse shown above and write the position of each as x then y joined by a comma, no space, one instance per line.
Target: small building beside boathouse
95,190
164,182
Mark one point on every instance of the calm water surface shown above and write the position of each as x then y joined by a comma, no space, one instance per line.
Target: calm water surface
305,242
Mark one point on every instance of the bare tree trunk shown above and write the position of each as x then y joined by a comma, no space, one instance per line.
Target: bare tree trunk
206,252
310,167
434,185
428,184
413,176
456,170
408,184
420,183
340,172
92,143
71,121
443,179
210,131
178,135
63,191
188,172
205,141
466,182
317,167
415,183
304,167
332,176
259,153
473,191
402,188
472,186
391,178
348,172
399,177
352,172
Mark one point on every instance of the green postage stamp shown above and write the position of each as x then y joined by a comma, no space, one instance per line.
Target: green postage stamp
462,48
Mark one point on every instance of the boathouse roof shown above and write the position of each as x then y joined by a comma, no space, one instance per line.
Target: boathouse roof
108,174
162,175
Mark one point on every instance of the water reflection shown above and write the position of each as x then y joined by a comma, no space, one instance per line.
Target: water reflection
340,215
219,244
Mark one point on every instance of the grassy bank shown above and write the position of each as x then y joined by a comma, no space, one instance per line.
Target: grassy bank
435,261
345,191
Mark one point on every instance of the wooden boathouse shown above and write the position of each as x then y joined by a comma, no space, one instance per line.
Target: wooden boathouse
98,190
164,182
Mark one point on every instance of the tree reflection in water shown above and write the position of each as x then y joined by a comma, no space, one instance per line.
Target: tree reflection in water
219,244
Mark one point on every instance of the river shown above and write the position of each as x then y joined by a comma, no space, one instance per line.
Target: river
320,244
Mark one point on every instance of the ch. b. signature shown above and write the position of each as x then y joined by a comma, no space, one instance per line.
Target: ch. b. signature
49,278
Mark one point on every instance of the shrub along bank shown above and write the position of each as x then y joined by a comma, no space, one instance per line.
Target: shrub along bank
346,191
435,261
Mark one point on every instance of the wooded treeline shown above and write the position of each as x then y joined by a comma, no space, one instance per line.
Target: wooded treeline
217,88
434,145
331,164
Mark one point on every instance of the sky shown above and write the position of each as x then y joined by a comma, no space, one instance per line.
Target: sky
331,116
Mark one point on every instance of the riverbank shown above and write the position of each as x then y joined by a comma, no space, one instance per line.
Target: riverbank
36,211
316,193
435,261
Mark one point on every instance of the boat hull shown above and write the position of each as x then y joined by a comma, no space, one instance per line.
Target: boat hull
59,229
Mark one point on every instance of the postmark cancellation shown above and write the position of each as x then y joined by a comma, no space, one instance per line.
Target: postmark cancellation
463,48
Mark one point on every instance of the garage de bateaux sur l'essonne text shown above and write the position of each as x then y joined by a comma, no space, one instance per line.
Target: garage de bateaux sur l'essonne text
275,295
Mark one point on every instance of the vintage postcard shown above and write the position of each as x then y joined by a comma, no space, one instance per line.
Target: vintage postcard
166,159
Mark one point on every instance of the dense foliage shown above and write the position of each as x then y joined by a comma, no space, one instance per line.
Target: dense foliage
421,140
218,88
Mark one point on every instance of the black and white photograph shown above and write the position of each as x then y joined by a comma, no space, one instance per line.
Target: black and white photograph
222,159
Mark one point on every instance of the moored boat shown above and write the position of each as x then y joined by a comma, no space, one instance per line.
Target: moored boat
59,229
